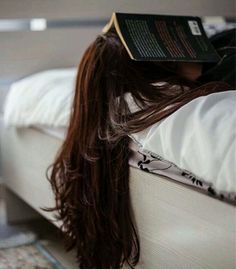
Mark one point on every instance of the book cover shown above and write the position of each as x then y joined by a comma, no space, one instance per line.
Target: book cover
163,37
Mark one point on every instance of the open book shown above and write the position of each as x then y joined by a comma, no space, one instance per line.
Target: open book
163,37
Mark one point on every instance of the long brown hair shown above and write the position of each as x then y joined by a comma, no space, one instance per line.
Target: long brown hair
90,176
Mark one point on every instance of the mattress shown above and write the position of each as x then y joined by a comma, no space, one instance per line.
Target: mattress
178,227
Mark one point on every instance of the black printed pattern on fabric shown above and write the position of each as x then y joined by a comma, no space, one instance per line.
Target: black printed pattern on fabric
148,163
153,163
192,178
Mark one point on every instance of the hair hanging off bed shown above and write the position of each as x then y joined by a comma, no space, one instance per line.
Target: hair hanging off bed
90,176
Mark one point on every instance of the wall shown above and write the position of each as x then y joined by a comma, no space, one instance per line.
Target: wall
103,8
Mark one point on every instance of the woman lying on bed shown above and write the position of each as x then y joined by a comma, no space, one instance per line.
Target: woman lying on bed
90,176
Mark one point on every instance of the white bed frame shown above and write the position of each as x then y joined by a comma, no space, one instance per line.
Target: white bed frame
178,226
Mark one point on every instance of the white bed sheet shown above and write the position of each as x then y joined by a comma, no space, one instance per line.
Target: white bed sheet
200,137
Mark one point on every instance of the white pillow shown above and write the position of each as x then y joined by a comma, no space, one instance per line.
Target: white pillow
44,98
